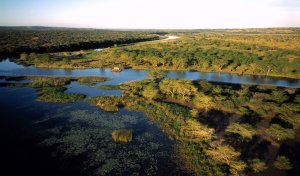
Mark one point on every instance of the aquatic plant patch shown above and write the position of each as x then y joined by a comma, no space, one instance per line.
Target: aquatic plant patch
86,134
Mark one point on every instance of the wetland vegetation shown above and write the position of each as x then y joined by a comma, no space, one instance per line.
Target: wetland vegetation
195,127
222,128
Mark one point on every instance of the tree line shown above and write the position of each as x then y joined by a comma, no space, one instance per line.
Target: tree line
19,40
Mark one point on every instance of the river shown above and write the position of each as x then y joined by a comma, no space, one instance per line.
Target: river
8,68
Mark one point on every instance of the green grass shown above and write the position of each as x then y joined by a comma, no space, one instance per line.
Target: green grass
109,87
87,83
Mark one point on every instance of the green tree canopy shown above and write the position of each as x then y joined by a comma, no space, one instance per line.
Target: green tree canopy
283,163
204,101
280,133
156,75
223,153
257,165
244,131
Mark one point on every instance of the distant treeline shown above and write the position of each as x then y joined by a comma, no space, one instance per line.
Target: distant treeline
14,42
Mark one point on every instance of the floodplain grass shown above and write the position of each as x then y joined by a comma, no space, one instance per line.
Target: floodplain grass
122,135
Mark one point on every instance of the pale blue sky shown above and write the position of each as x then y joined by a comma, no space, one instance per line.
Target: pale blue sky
146,14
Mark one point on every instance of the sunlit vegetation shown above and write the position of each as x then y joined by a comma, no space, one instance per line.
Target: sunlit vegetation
173,118
280,133
109,87
241,132
188,125
122,135
257,165
273,52
41,40
57,95
283,162
87,83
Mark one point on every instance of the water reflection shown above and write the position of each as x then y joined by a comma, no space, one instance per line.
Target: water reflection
10,68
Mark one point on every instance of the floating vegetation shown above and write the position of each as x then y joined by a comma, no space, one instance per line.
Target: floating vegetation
173,119
88,133
87,83
122,135
109,87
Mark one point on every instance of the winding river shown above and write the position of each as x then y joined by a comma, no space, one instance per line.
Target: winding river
39,138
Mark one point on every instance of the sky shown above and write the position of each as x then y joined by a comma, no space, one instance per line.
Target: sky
151,14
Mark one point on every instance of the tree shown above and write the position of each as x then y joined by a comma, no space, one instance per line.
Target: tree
223,153
279,96
168,86
185,87
199,132
280,133
237,168
156,75
194,113
243,131
283,163
257,165
66,61
24,56
289,112
151,92
219,63
204,101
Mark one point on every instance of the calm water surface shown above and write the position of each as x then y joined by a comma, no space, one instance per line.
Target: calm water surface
9,68
39,138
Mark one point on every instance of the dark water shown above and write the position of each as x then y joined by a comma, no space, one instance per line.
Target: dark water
10,68
40,138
